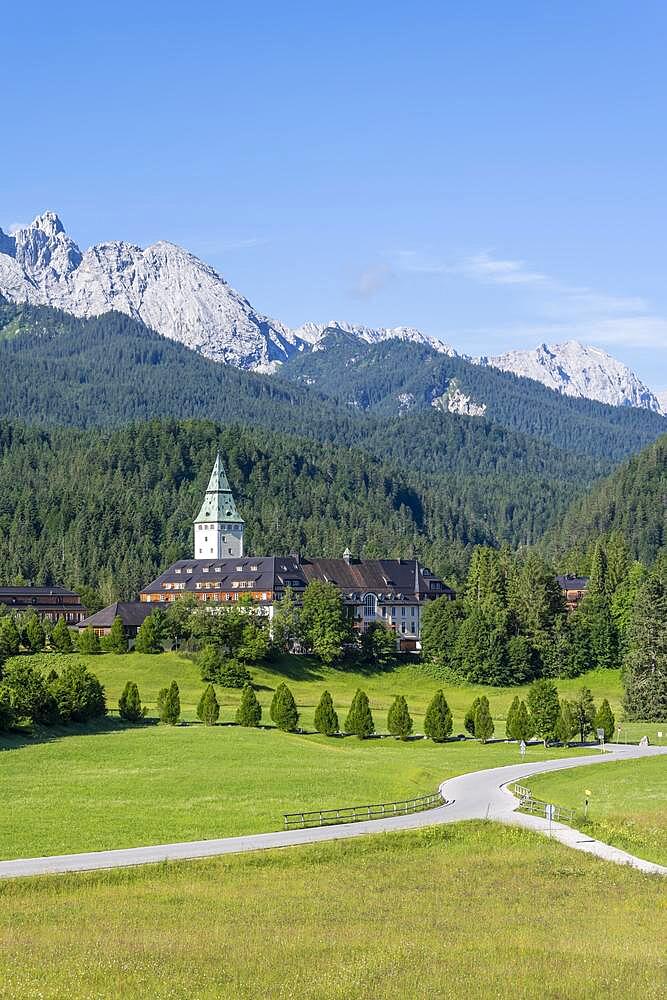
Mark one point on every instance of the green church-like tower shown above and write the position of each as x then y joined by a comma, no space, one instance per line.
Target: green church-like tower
218,526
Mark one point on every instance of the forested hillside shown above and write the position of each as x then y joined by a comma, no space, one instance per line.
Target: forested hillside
631,502
394,377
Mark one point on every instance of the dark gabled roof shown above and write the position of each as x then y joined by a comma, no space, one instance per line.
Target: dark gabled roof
132,613
55,591
572,582
405,576
269,572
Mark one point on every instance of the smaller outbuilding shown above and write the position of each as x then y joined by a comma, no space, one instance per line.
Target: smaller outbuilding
48,602
574,590
131,613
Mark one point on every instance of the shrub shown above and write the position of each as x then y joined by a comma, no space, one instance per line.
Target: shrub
10,639
604,719
35,636
171,706
29,693
399,722
149,635
116,640
249,711
523,724
326,719
469,718
283,709
208,709
160,700
359,720
216,668
78,694
129,704
7,713
484,727
544,708
566,726
510,727
438,723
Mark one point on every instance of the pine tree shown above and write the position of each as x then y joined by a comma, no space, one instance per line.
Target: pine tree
438,723
511,717
583,712
208,709
326,719
171,708
283,709
469,718
566,727
129,703
484,727
645,666
116,640
604,719
61,640
88,642
544,708
249,712
359,720
399,722
34,634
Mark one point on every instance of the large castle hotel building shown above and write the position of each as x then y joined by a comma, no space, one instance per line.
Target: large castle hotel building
390,591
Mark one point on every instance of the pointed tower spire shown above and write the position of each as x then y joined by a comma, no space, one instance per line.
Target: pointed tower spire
218,526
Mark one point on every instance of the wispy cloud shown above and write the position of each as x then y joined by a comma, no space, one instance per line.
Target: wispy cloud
484,267
372,280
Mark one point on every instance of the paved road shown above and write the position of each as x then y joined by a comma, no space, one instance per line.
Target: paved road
478,795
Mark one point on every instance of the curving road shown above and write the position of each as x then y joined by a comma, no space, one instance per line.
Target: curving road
477,795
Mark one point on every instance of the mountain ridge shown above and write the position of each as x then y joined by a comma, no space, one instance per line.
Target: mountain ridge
182,298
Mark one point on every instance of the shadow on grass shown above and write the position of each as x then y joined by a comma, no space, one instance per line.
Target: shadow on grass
32,736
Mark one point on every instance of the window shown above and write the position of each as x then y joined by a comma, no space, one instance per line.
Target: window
370,606
204,569
412,627
393,612
254,568
412,612
177,570
403,612
403,627
239,569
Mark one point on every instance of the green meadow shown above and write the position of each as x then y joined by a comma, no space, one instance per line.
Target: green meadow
627,803
471,910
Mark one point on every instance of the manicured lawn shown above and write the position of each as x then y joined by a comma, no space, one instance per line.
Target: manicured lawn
471,911
121,787
627,805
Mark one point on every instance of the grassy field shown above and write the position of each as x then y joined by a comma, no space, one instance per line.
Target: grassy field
472,911
627,805
127,786
307,679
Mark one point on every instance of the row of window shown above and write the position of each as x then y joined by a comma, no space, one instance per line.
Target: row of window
225,527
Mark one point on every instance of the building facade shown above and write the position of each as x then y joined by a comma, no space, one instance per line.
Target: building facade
573,589
47,602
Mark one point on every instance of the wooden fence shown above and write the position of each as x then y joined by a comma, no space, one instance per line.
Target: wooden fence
352,814
536,807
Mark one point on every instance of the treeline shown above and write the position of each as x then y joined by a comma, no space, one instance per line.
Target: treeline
510,624
631,502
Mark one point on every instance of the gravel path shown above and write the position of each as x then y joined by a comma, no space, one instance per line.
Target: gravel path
478,795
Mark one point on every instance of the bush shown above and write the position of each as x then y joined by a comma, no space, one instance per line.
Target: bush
283,709
35,636
160,700
359,720
149,635
171,706
216,668
326,719
129,704
78,694
469,719
116,640
604,719
484,727
208,709
30,696
10,639
61,640
399,722
438,723
249,711
7,713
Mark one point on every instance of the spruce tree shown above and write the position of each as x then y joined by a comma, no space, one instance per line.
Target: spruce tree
544,708
35,636
645,665
438,723
208,709
88,642
171,708
148,636
604,719
10,640
484,727
399,722
249,711
116,640
129,703
326,719
61,640
523,724
283,709
160,700
359,720
511,717
469,719
566,726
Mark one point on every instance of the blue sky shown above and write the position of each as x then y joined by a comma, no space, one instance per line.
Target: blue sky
492,173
